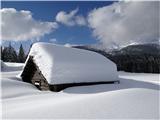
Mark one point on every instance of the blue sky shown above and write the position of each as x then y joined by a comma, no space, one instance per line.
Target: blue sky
47,11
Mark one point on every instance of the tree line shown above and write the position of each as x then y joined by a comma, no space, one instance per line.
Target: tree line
138,63
9,54
134,63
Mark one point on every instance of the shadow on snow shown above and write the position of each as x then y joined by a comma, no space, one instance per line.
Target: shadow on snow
124,84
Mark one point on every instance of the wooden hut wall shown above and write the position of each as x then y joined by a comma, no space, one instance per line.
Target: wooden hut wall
28,70
32,74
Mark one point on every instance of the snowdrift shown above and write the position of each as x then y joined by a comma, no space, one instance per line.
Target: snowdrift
61,65
7,66
3,65
137,97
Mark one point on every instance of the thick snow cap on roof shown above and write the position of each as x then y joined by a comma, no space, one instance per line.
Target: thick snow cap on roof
60,65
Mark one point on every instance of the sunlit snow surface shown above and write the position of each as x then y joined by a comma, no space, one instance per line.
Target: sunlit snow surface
137,96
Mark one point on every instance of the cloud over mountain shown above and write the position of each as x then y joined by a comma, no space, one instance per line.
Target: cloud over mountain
123,23
21,26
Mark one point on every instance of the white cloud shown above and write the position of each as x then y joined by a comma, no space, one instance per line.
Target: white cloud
123,23
53,40
71,45
21,26
70,19
80,20
67,45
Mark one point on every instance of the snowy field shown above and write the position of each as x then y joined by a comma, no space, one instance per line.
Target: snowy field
137,96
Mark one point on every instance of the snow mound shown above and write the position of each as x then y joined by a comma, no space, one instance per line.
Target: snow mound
8,66
60,64
137,97
3,65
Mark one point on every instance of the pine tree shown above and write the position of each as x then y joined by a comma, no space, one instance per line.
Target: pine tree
9,54
21,55
2,56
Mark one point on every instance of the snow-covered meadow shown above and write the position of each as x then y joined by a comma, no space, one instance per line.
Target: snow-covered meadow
137,96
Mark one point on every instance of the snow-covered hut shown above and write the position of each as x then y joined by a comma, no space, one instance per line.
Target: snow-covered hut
55,67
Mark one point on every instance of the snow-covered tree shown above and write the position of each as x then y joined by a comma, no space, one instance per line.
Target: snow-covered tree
9,54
